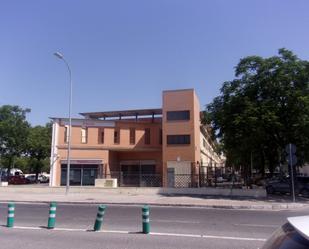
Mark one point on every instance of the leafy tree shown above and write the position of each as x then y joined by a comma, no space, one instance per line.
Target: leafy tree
39,141
13,132
22,163
264,108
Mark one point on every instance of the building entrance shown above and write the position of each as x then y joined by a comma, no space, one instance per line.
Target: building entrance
130,175
139,173
80,174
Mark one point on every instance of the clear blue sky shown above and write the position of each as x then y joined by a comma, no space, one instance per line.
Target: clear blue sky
123,53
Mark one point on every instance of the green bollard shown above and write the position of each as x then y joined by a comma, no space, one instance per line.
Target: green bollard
99,219
146,223
11,214
52,215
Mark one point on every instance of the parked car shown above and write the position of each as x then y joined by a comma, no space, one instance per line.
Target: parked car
18,179
43,178
282,185
13,172
220,179
31,178
292,235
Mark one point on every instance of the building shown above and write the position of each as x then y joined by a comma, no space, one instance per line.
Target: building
147,147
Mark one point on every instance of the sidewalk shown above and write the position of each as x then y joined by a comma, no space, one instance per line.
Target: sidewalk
140,196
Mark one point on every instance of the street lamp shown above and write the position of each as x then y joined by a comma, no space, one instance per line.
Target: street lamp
61,57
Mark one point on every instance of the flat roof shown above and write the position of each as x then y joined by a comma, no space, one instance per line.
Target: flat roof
123,113
180,90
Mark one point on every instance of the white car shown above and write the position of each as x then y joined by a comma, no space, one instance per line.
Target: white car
43,178
292,235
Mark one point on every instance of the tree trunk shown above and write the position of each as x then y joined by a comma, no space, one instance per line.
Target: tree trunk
262,164
10,166
37,170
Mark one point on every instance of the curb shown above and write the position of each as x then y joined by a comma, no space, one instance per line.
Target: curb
271,207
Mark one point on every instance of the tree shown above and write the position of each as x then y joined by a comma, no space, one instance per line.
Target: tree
264,108
13,132
39,142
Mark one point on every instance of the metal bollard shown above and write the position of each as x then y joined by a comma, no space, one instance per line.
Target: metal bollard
99,219
145,216
11,214
52,215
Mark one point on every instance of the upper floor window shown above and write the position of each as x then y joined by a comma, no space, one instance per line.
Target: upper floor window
147,136
177,115
178,139
101,136
132,135
84,132
117,136
66,134
160,136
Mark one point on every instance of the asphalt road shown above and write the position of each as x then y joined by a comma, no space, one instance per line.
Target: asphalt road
172,227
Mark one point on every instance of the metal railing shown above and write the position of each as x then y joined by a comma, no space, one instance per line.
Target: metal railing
204,176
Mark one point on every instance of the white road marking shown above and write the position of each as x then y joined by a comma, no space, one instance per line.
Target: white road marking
153,233
178,235
71,229
208,236
28,228
114,231
257,225
176,221
232,238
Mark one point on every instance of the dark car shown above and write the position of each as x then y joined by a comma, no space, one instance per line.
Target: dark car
31,178
292,235
18,179
282,186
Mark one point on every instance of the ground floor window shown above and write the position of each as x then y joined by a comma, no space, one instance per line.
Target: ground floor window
136,173
80,174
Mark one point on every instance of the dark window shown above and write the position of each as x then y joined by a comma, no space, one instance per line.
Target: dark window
117,136
66,134
80,174
101,136
178,115
132,135
178,139
160,136
147,136
148,169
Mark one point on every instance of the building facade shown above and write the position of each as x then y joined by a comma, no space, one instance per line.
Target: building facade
147,147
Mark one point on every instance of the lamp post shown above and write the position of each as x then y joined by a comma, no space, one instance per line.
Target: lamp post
61,57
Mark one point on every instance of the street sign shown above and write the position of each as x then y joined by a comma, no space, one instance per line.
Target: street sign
290,148
292,160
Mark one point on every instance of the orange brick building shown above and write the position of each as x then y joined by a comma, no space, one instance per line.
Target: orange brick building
146,147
